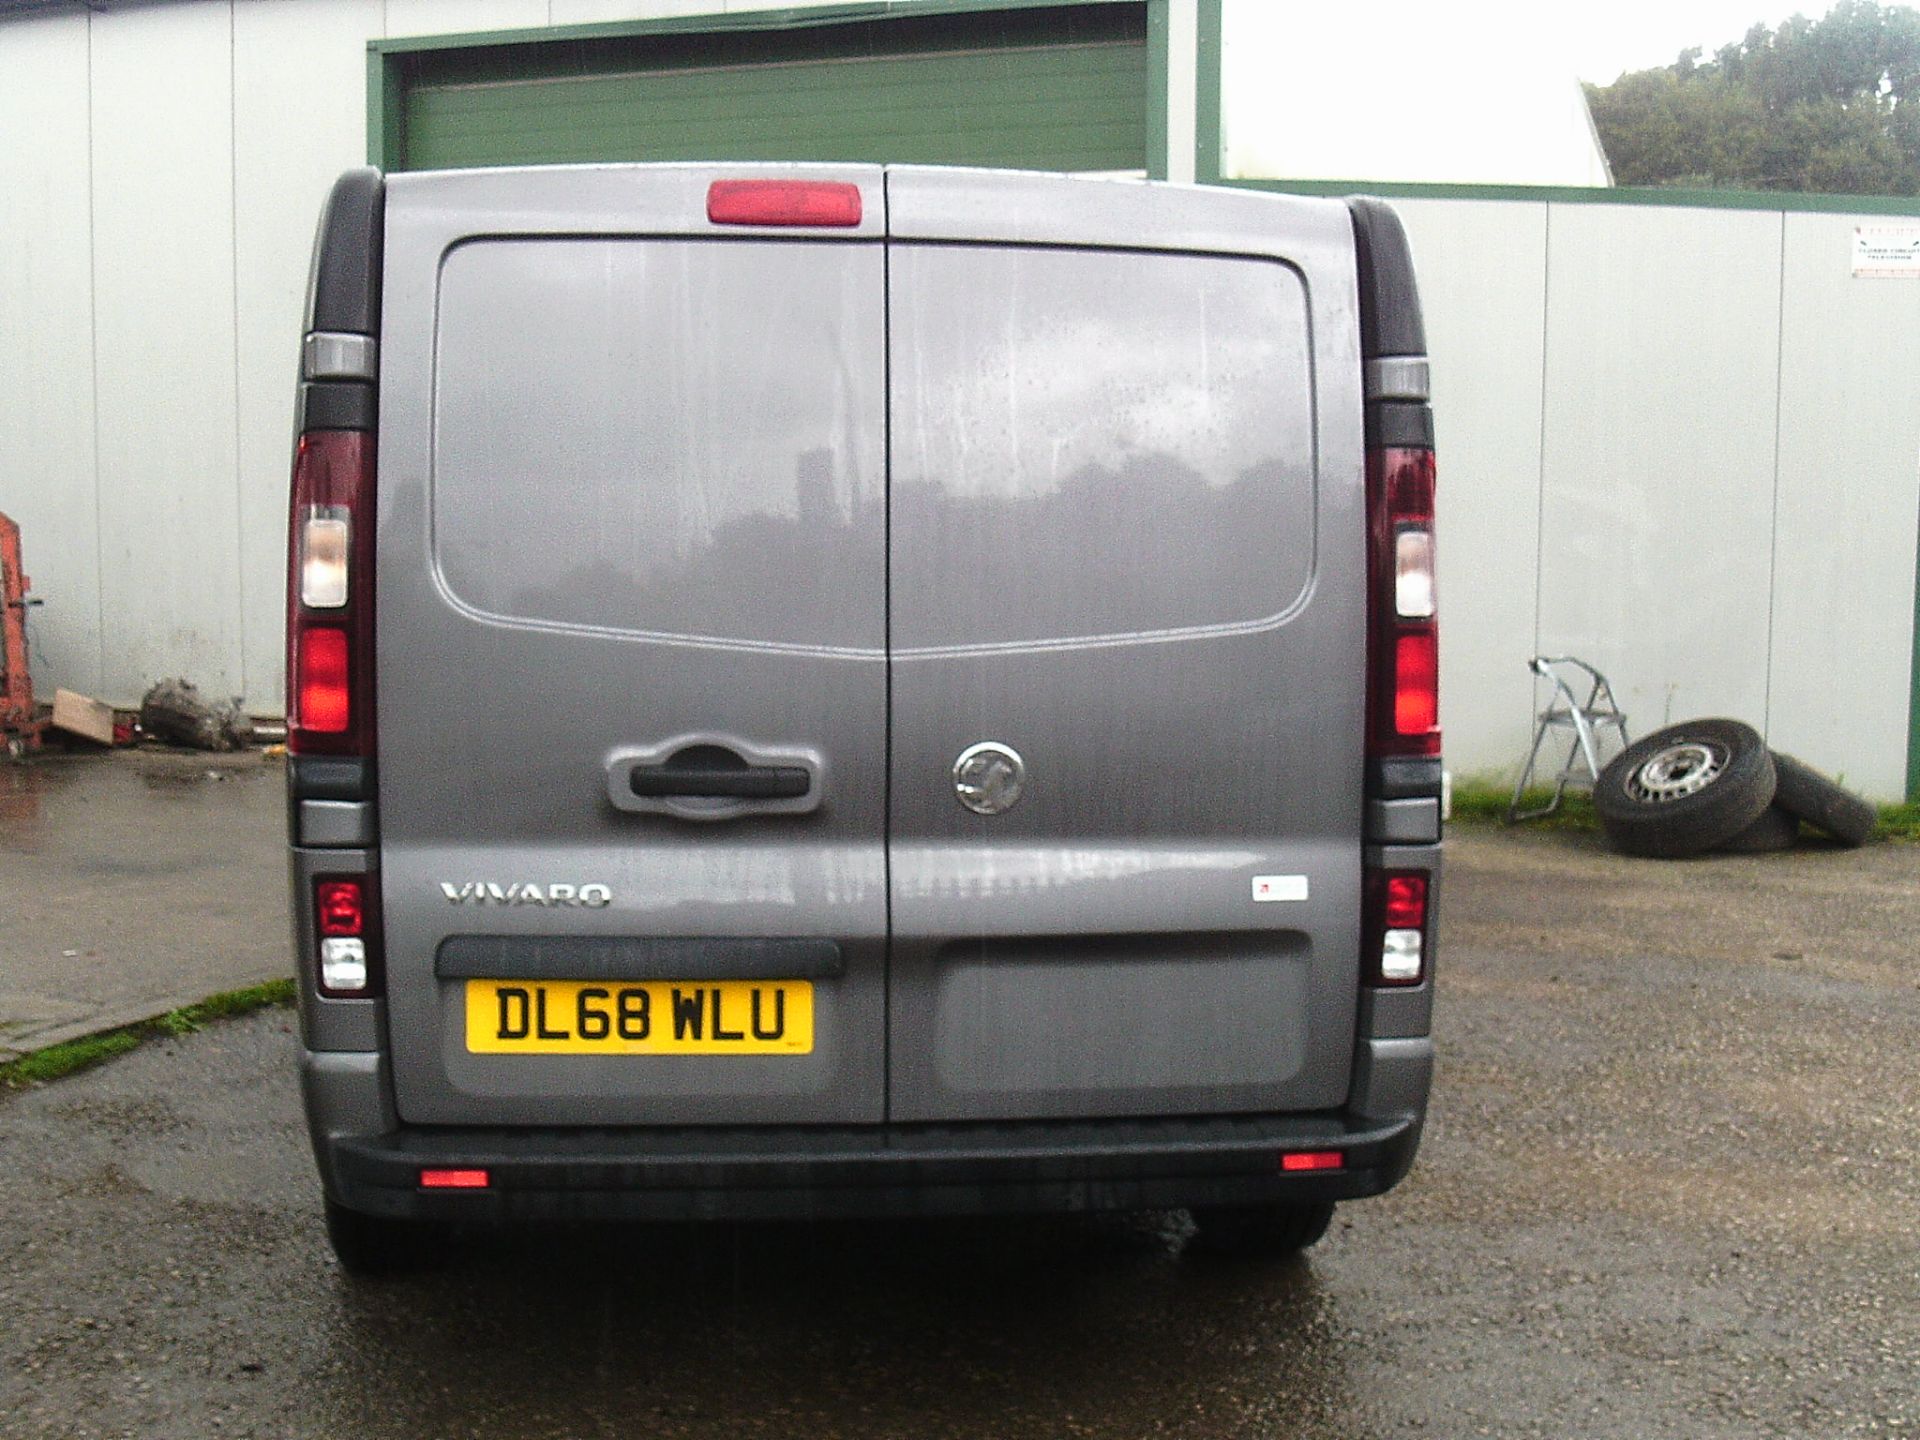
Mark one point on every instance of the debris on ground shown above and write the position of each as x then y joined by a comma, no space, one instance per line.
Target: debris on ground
1714,784
84,716
174,710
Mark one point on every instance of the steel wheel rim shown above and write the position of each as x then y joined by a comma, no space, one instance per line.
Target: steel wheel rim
1678,770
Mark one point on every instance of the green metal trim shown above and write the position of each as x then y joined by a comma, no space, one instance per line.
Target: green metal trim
718,23
1776,200
1208,157
386,114
1157,80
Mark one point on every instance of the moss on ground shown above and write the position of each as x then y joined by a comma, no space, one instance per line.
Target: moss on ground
72,1056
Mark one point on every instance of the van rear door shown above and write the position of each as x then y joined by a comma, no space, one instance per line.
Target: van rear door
1127,556
631,669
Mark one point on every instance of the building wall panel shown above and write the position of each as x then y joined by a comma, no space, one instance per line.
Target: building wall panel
1844,540
163,294
455,17
299,120
1661,374
1482,271
46,360
600,12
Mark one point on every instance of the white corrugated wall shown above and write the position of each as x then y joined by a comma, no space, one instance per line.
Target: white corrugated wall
1683,444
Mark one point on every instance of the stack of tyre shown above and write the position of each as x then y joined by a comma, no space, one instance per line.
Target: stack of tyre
1714,785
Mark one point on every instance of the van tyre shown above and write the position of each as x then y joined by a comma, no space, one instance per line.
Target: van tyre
373,1247
1777,829
1824,805
1685,789
1260,1231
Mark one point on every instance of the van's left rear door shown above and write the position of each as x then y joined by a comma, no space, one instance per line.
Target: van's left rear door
632,660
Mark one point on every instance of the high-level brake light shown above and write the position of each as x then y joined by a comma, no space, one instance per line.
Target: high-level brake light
826,204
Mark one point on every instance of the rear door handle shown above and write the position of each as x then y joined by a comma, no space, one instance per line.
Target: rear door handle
737,782
715,777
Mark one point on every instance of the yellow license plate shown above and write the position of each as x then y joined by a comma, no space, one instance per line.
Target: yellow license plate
652,1017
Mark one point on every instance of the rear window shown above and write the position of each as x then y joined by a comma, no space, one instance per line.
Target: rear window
1104,443
664,437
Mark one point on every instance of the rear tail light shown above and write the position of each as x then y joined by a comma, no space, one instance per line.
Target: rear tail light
1396,927
1403,627
822,203
346,936
330,595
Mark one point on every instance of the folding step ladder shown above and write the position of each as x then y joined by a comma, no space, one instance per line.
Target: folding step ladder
1566,711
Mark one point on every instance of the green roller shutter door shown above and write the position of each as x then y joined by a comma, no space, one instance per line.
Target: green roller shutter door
1053,90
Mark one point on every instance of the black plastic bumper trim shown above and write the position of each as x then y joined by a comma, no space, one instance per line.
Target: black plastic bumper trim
324,777
337,405
1414,779
1390,322
642,957
1399,424
845,1172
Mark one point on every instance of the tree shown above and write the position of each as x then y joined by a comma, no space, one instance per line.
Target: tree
1816,105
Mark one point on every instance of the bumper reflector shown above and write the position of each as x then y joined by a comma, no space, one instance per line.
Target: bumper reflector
454,1180
1295,1161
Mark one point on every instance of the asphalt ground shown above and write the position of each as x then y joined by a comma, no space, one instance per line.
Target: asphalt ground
1668,1189
135,882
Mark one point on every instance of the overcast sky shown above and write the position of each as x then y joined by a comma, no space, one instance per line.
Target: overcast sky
1604,37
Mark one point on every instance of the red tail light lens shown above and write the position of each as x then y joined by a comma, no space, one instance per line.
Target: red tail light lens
820,203
337,907
330,595
1403,702
1405,906
323,698
1416,683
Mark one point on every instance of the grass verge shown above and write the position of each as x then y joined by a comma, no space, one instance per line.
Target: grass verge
1484,802
71,1056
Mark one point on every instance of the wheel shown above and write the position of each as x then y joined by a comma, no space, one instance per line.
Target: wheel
1685,789
1269,1231
375,1246
1824,805
1777,829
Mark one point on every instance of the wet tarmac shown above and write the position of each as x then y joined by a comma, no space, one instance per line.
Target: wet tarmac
1669,1190
132,883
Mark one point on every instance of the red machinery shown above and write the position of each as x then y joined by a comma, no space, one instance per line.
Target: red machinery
20,722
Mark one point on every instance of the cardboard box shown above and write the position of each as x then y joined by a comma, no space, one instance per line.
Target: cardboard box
80,715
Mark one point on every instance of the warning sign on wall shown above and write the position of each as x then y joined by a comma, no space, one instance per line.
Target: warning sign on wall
1886,252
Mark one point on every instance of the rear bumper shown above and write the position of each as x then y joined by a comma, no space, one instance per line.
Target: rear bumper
796,1173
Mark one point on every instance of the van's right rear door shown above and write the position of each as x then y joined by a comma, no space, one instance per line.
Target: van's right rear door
1126,547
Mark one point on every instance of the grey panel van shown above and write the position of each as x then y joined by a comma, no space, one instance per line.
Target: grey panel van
838,690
